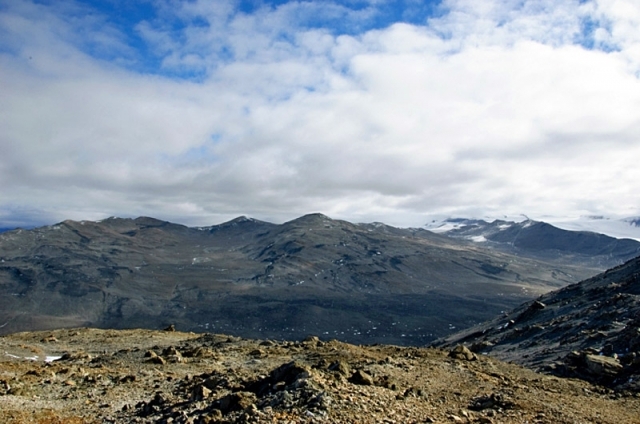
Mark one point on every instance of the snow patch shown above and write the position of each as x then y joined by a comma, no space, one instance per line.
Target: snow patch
478,239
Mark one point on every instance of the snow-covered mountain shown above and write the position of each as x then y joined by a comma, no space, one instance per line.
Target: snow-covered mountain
628,227
543,240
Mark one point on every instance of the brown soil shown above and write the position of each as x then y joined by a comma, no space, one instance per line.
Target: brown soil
115,376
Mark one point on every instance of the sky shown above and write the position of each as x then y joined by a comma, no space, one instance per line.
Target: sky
366,110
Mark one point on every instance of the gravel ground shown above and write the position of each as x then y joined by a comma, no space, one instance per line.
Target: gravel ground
110,376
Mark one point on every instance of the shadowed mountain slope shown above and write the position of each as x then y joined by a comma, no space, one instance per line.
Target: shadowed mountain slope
362,283
589,330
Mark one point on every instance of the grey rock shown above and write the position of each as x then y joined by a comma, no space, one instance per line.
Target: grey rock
602,366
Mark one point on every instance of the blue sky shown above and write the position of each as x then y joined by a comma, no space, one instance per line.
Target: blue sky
394,111
128,20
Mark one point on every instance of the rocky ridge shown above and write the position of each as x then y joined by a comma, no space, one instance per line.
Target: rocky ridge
588,330
110,376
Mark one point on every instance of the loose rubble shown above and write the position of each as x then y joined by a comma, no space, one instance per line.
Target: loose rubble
141,376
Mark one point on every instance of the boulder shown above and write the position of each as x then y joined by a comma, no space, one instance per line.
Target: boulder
463,353
201,392
340,367
362,378
235,402
602,366
285,375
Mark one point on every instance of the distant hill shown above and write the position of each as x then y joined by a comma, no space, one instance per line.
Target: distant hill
589,330
362,283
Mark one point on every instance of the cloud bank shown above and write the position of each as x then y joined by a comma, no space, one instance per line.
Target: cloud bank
201,111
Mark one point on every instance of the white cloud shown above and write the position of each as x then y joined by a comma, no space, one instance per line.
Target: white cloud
493,107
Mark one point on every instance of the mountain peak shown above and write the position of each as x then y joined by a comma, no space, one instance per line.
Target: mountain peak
311,219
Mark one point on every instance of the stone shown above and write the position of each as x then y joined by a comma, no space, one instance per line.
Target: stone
602,366
481,346
312,341
156,360
128,378
201,392
340,367
492,401
362,378
236,402
257,353
537,305
281,377
463,353
532,310
213,417
173,355
75,356
199,352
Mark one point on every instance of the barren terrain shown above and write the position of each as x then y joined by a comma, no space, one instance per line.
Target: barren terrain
111,376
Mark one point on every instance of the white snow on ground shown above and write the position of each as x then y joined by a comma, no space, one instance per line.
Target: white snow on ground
440,227
478,239
33,358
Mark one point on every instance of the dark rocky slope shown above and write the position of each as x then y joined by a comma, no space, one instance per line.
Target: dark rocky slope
313,275
589,330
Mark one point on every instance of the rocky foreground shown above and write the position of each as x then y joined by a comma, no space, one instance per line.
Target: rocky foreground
108,376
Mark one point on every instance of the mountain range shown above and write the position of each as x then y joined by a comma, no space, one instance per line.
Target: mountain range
362,283
541,240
